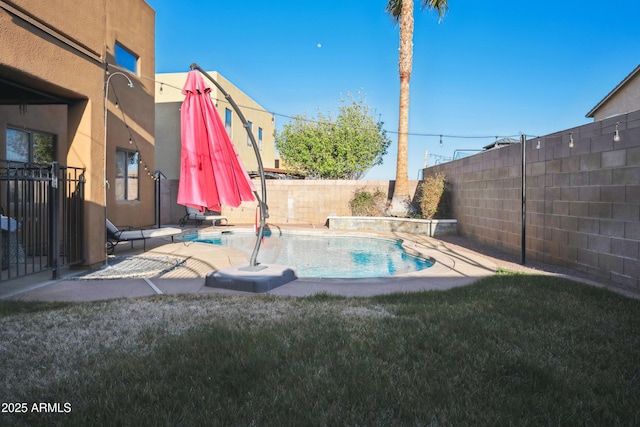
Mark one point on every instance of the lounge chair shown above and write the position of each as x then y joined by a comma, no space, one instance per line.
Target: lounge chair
197,216
115,236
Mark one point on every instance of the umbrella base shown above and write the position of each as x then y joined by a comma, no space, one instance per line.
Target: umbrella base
256,279
256,267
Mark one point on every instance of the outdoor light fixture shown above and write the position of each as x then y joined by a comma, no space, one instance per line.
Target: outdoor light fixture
570,139
616,134
106,110
538,144
440,140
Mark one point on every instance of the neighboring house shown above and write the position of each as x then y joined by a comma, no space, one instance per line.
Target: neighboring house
501,143
55,58
624,98
169,98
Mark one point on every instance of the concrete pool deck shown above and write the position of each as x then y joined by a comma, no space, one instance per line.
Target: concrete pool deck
192,261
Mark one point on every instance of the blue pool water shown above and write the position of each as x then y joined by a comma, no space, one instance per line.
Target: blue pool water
325,256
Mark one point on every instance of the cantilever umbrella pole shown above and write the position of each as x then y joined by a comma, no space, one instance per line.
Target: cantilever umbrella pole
262,201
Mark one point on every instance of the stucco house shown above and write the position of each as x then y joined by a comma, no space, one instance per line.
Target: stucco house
624,98
76,88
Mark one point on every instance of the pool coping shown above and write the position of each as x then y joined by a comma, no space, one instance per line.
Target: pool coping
452,268
407,242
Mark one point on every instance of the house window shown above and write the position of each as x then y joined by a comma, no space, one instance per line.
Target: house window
260,138
249,132
30,146
126,59
127,176
227,121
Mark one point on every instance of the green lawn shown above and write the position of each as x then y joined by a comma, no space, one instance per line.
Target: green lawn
509,350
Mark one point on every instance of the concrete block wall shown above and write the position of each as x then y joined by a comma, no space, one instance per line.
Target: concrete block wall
582,203
289,201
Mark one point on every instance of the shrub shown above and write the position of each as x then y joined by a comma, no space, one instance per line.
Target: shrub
434,198
364,203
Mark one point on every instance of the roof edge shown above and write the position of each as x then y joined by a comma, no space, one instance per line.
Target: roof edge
591,113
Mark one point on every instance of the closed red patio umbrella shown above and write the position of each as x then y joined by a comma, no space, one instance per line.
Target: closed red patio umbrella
227,183
211,172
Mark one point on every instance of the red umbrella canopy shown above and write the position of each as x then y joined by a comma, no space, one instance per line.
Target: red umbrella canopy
211,172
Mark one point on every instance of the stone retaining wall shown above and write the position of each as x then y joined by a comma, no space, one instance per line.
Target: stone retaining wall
427,227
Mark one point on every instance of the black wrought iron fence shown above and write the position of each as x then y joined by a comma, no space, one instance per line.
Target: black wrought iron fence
41,221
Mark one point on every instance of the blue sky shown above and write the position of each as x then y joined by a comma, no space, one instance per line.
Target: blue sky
490,68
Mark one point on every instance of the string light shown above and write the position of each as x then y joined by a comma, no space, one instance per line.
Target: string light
132,140
616,136
246,107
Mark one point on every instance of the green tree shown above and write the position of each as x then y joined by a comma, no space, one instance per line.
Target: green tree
402,13
342,149
43,148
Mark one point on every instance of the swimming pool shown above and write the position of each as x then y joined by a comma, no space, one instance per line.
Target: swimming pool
324,256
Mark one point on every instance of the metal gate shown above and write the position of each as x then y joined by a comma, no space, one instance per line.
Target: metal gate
42,218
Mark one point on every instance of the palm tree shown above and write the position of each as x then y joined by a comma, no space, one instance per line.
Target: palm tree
402,12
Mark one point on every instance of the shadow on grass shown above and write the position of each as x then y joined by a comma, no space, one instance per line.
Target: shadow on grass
510,349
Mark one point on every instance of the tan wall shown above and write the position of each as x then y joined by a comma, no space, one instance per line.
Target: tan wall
132,27
68,61
624,101
43,118
290,201
82,23
168,122
167,155
253,113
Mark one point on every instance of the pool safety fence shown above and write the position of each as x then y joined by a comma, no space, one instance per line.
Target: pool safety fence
41,218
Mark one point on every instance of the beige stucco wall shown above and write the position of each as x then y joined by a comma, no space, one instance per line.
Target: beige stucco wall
168,104
84,23
254,113
625,100
132,25
50,119
68,61
167,155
